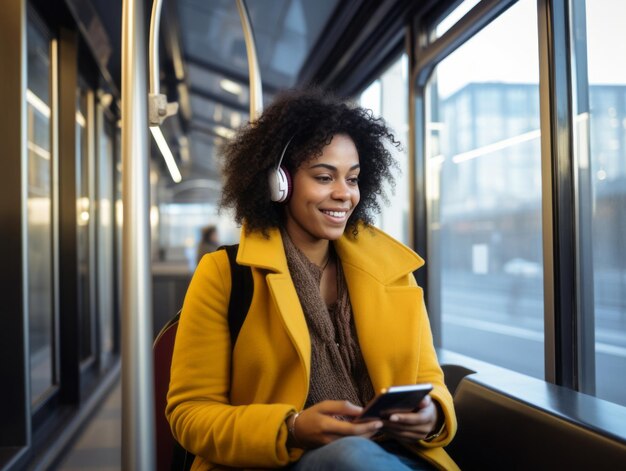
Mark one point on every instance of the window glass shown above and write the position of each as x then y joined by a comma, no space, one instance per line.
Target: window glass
84,223
484,194
104,234
119,224
180,227
387,97
602,156
39,231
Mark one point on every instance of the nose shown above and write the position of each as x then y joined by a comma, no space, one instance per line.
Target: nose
341,191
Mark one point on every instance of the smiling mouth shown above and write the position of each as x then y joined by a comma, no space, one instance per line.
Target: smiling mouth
335,214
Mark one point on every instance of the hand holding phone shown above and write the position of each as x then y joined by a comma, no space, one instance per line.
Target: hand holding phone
395,399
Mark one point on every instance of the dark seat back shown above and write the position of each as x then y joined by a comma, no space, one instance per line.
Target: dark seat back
453,374
162,350
170,455
550,428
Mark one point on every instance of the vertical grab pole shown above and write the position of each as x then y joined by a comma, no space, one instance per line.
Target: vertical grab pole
256,91
137,384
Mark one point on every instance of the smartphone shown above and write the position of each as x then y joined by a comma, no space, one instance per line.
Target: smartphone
394,399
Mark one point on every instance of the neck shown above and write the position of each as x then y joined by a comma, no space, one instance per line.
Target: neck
317,251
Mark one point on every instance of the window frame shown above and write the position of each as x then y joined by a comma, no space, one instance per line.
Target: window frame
15,430
42,408
568,339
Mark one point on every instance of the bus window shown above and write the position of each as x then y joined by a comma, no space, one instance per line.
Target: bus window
40,221
484,194
387,97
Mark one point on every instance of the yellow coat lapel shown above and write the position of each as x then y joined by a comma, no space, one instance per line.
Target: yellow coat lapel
268,253
376,269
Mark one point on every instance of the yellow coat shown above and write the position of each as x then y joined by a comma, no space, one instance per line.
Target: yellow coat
235,415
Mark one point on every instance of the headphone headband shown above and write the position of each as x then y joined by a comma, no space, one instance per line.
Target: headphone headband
279,179
280,161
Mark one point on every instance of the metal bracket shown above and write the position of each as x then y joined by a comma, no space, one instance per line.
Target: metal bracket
159,109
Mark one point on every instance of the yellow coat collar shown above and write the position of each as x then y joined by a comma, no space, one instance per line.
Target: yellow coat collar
371,251
371,262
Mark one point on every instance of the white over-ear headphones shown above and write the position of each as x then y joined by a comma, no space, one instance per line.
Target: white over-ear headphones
279,180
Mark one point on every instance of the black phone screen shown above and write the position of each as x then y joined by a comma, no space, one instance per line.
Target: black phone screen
394,399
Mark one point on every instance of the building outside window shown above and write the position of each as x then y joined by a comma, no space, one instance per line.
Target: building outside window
387,97
484,194
484,191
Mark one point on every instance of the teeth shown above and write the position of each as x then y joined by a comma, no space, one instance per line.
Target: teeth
336,214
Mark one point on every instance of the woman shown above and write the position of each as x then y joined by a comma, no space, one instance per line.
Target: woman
336,314
208,242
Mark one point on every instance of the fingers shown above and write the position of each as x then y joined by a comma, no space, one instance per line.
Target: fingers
339,422
425,414
408,425
344,426
413,425
339,408
325,422
332,429
425,402
362,428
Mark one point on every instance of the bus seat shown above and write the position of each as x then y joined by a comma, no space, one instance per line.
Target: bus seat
162,350
453,374
518,422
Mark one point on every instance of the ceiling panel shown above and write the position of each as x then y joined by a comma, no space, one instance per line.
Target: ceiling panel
216,65
216,83
208,111
211,31
284,31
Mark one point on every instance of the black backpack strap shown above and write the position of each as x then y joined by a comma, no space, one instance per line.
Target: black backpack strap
242,288
181,458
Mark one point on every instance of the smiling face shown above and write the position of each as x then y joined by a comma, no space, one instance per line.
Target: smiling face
325,193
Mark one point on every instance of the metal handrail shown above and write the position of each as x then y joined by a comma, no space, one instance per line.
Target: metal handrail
158,107
256,89
153,46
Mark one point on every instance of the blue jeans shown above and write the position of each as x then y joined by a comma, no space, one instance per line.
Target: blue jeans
359,454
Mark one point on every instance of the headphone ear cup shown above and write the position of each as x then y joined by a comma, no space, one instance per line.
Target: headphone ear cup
280,184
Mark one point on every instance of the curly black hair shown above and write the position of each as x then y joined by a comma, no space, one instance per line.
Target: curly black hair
312,117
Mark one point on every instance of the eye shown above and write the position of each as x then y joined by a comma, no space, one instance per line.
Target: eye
323,178
353,181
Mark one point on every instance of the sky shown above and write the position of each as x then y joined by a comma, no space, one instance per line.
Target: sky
507,49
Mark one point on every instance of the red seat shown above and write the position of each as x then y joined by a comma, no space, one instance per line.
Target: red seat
162,350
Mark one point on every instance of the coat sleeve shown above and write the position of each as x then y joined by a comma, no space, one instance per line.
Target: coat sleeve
198,408
429,371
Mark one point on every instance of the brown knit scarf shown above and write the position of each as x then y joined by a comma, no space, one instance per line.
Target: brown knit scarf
338,370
